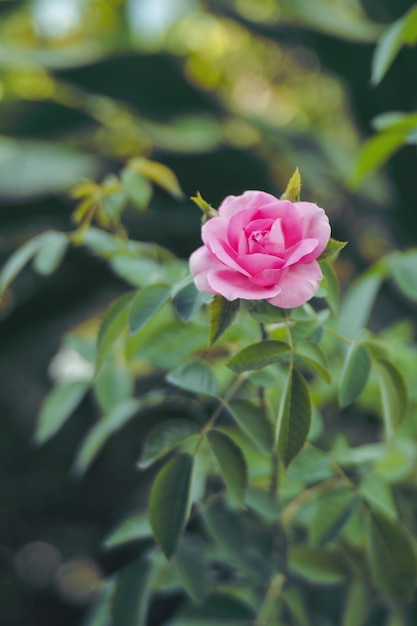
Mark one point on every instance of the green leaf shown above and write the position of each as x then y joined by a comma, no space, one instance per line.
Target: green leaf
258,355
145,304
331,514
133,528
403,31
320,566
358,603
232,463
333,249
133,593
19,259
159,174
402,267
376,151
187,301
136,188
315,356
357,304
99,614
51,253
293,189
57,407
254,423
264,312
169,502
192,566
377,493
392,557
194,376
164,438
113,384
97,436
393,394
114,322
294,417
222,314
355,373
227,529
218,610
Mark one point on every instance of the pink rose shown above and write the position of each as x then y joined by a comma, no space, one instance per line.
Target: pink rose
262,248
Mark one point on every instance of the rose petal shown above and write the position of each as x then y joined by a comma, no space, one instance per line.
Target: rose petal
256,263
233,285
298,285
316,226
214,234
248,199
300,251
275,239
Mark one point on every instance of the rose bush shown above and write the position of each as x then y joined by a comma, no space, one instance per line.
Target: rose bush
260,247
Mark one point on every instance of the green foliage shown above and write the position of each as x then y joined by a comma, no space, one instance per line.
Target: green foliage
222,313
258,355
232,463
294,416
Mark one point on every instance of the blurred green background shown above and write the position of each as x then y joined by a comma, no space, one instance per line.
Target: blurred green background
232,95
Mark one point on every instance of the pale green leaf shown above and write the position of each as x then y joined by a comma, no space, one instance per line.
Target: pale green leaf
392,557
222,314
97,436
376,151
315,356
232,463
358,603
51,253
159,174
293,189
333,249
253,421
357,304
136,188
355,373
195,376
169,502
145,304
294,417
164,438
402,267
331,285
19,259
114,323
57,407
258,355
133,528
393,394
377,493
113,384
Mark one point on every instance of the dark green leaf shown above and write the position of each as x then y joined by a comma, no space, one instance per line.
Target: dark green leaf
51,253
265,312
145,304
331,514
217,610
320,566
57,407
355,373
254,423
114,322
133,594
294,417
192,566
293,189
258,355
402,267
194,376
169,502
232,463
392,557
227,529
333,249
97,436
222,314
393,394
164,438
187,301
136,188
315,356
